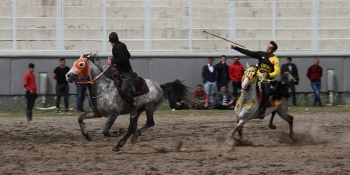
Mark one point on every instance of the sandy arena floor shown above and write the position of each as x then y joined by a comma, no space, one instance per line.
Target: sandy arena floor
55,145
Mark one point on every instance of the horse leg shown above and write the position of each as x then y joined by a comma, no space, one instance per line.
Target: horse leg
132,128
81,119
240,132
238,127
289,119
271,125
109,124
149,123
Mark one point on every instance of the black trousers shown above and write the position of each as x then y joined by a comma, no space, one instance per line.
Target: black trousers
30,104
62,88
220,106
235,86
292,88
179,107
126,93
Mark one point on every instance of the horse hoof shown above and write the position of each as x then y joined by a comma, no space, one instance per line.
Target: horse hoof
272,126
294,139
116,148
88,137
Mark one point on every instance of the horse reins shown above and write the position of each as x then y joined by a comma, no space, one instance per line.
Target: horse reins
93,80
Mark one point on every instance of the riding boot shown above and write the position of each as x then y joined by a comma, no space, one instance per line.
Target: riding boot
265,89
128,98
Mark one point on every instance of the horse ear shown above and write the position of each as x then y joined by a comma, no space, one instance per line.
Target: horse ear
89,57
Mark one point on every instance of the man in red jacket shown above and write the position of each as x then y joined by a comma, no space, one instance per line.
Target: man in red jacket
236,71
30,85
314,73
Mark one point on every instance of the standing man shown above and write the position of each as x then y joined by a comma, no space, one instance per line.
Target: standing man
209,78
61,84
291,68
222,73
314,73
236,71
81,93
30,85
120,61
269,68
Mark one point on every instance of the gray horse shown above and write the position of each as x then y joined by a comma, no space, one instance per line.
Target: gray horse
105,100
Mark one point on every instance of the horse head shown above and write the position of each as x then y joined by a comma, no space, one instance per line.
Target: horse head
249,78
287,78
80,68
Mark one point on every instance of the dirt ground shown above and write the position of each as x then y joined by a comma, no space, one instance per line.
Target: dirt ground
55,145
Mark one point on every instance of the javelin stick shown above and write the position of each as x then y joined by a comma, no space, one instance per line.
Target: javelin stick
223,38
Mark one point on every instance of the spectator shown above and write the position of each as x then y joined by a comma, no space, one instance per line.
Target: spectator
314,73
224,99
177,103
81,93
222,73
291,68
202,97
209,78
236,71
61,84
30,85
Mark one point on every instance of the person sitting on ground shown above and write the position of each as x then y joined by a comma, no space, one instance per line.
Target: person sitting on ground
224,99
202,97
176,102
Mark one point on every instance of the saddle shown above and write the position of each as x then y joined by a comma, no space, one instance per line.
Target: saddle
276,93
272,102
137,85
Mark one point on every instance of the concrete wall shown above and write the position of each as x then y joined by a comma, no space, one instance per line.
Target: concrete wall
166,69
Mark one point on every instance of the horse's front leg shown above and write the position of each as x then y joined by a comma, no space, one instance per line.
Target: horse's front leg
238,127
109,124
81,119
271,125
240,131
132,128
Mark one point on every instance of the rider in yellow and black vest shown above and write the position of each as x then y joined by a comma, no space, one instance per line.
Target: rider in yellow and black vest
268,67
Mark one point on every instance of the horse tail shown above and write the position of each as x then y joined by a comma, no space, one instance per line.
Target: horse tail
179,90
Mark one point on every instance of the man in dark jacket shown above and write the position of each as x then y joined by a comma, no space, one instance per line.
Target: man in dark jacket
314,73
120,61
224,99
222,73
291,68
209,78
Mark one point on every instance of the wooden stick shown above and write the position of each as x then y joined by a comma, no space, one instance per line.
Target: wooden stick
223,38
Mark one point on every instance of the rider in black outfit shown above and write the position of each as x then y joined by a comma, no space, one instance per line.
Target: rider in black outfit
121,62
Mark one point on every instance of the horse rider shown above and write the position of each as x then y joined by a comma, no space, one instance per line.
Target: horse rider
268,67
120,61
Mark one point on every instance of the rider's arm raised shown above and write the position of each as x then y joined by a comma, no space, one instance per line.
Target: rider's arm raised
247,52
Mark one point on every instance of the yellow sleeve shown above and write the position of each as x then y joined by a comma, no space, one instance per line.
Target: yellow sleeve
275,61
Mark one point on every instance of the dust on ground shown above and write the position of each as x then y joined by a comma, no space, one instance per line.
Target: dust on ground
177,145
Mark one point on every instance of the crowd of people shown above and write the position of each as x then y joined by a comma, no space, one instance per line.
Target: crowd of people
221,74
